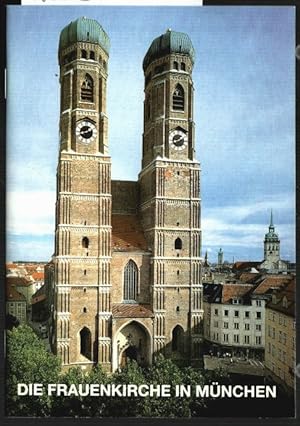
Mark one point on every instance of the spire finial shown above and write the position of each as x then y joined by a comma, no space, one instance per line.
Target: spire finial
271,218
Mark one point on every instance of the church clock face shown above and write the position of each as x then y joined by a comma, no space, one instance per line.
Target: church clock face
86,132
178,140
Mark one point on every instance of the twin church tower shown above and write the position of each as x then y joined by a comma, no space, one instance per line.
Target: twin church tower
127,266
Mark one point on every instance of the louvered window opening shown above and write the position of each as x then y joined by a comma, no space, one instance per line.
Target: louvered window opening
178,99
87,89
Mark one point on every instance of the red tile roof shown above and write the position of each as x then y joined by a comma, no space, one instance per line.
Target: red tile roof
18,281
12,295
127,233
271,282
230,291
249,277
38,276
134,310
288,292
239,266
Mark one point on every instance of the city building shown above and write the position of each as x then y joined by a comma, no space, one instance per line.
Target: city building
233,320
127,265
234,314
16,304
220,257
23,285
280,356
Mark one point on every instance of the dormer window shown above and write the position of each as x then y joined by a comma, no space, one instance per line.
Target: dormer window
284,302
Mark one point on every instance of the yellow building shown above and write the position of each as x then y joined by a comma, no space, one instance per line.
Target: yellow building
280,352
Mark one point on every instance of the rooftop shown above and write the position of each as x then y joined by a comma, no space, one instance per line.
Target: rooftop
127,233
84,29
127,310
169,42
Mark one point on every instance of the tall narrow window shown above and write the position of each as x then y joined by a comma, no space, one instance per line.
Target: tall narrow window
87,89
83,54
85,342
175,65
183,66
130,282
178,98
85,242
178,244
92,55
177,339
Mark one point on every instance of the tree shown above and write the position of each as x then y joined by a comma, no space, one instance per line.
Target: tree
122,406
164,371
81,406
28,362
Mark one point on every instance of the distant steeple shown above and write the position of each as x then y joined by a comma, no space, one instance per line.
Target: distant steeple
271,221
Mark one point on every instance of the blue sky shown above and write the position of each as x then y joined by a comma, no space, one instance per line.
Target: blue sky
244,79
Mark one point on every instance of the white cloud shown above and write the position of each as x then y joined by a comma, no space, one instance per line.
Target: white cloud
225,226
30,212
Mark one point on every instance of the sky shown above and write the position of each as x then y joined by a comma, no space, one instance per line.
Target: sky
244,113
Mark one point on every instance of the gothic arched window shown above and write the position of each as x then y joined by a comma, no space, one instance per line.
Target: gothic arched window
177,339
83,54
85,242
178,98
87,89
183,66
178,244
130,289
85,342
175,65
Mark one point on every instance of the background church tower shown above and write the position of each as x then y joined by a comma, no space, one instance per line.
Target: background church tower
271,245
83,207
170,198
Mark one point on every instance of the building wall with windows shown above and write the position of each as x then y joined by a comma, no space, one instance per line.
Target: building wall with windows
16,304
235,325
280,356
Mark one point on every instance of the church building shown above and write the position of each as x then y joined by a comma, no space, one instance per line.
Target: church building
127,265
272,262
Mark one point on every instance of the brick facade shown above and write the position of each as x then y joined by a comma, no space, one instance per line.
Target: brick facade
127,266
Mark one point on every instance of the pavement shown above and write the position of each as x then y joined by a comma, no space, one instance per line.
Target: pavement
235,365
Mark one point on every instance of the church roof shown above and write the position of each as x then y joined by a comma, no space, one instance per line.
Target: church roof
84,29
134,310
169,42
127,233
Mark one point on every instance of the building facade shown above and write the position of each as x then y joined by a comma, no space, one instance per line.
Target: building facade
280,357
127,265
234,321
235,315
16,304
